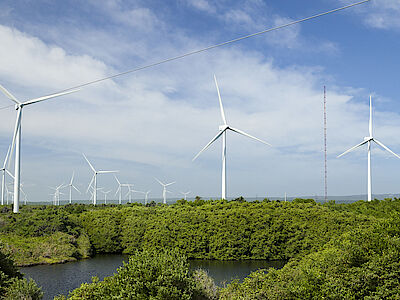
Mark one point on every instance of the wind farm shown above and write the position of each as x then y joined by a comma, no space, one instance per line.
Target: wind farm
123,186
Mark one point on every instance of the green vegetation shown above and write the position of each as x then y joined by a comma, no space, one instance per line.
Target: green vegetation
333,250
148,275
12,285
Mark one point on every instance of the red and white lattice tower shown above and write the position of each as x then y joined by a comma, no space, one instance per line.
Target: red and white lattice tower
325,149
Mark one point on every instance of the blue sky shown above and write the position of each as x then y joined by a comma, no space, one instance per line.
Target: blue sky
153,122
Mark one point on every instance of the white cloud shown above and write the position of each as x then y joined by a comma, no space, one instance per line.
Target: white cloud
202,5
152,123
381,14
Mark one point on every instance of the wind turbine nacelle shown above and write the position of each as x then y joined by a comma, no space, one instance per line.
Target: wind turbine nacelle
367,138
222,127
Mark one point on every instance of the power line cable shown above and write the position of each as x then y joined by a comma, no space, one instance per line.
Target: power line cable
215,46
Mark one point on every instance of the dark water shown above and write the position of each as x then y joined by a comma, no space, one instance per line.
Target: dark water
62,278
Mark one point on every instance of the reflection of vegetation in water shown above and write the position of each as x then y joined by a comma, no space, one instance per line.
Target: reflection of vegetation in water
336,251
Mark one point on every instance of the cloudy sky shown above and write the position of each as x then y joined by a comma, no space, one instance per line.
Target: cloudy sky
153,122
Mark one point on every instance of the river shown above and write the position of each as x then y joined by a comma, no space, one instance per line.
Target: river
62,278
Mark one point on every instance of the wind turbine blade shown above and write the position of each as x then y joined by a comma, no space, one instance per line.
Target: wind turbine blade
48,97
90,184
17,126
6,159
170,183
9,95
119,183
118,189
352,148
248,135
9,173
127,194
159,181
386,148
209,143
370,115
168,192
89,163
72,178
220,101
76,189
104,172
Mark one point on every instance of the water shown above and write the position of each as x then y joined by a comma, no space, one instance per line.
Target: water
62,278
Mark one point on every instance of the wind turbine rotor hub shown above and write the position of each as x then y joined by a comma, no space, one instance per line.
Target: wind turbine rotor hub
223,127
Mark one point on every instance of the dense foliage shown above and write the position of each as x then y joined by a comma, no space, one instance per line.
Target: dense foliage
361,264
334,250
12,285
148,275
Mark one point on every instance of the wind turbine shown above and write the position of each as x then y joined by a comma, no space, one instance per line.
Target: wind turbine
94,179
119,190
105,195
16,141
165,189
3,177
130,191
368,140
185,194
57,193
222,131
71,186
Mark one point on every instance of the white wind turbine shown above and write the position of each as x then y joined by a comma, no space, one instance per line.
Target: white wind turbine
71,186
222,131
130,191
3,177
368,140
105,193
165,191
185,194
119,190
16,141
57,193
94,179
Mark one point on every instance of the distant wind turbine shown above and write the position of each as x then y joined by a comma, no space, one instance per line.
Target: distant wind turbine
368,140
105,195
3,177
130,191
119,190
57,193
222,131
16,141
94,179
185,194
165,191
71,186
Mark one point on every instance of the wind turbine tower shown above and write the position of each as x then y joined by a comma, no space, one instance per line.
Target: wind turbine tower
222,132
368,140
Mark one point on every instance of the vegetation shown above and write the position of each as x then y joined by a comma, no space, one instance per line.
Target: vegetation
12,285
333,250
148,275
201,229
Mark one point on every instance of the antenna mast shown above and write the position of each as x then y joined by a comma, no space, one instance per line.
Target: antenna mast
325,150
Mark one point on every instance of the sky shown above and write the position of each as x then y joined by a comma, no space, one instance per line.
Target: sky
152,123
